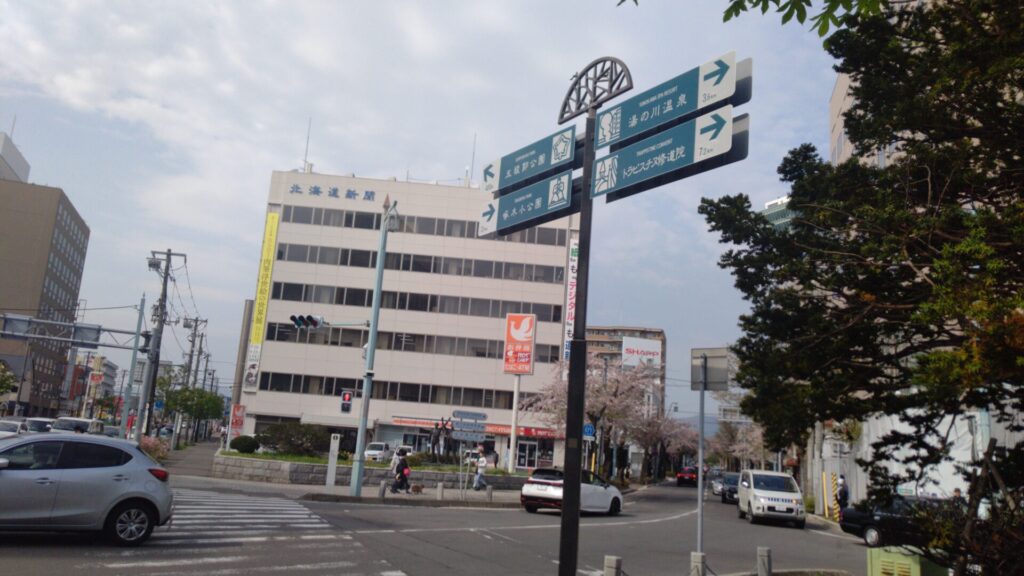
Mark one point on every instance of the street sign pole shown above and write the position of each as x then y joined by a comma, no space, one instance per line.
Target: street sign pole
514,437
700,455
568,548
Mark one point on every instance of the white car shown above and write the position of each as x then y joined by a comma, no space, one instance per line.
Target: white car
9,428
68,424
543,489
377,452
39,425
764,495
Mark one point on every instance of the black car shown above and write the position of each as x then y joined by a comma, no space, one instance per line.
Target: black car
729,482
895,524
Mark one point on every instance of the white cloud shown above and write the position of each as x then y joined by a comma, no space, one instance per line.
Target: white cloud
174,119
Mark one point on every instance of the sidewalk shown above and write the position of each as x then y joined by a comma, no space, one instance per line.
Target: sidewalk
196,460
370,492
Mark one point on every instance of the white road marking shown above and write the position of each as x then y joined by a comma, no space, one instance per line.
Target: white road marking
175,562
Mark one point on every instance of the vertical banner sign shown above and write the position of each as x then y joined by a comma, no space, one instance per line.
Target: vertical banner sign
259,311
237,421
520,331
570,296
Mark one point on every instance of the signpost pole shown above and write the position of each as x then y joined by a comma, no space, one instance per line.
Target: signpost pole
700,455
514,437
568,547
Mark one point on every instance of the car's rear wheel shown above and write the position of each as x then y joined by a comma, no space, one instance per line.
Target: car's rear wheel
872,537
615,507
130,523
800,524
530,509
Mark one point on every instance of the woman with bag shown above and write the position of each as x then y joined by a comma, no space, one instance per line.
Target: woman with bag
402,472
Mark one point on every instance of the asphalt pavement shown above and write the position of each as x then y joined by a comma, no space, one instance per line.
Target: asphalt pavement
221,530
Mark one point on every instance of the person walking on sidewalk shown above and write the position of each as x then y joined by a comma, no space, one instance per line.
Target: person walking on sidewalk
402,472
481,467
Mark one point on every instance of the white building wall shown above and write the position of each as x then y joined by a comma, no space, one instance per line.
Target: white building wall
398,366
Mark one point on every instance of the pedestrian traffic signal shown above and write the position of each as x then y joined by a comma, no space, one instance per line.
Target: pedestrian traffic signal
308,321
346,401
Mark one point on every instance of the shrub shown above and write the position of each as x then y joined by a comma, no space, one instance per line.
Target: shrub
415,461
295,438
154,448
343,455
245,444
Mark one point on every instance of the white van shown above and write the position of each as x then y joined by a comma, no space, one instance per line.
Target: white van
68,424
764,495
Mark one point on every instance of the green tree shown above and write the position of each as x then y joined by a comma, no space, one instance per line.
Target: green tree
900,291
7,380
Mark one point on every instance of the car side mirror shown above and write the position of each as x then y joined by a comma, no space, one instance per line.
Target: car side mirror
745,484
4,463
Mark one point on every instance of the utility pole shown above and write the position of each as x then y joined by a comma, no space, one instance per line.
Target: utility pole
390,214
159,262
199,358
131,377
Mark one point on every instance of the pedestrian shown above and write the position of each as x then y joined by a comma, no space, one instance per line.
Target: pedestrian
481,467
402,472
844,494
393,467
958,498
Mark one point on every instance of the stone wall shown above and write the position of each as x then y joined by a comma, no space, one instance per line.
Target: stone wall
281,472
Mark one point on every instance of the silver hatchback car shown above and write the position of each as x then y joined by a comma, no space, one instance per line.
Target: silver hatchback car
82,482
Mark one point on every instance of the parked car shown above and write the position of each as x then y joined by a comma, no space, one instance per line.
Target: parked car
69,424
890,525
687,476
377,452
112,431
716,486
764,495
9,428
730,482
409,450
78,482
39,425
543,489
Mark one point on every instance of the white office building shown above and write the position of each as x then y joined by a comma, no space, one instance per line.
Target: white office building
442,322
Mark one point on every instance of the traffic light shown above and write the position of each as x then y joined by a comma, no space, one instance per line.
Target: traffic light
346,401
308,321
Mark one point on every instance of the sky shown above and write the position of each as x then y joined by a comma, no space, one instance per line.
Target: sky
162,122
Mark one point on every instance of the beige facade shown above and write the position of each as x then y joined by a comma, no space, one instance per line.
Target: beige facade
445,295
43,242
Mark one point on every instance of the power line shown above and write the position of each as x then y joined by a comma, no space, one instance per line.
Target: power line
191,295
135,307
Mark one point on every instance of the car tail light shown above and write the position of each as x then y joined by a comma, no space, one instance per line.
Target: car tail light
159,473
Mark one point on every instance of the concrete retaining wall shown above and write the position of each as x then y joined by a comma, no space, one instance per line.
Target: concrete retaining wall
281,472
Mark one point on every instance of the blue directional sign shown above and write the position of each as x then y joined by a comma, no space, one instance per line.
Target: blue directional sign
527,204
467,415
699,139
588,431
547,153
469,426
698,88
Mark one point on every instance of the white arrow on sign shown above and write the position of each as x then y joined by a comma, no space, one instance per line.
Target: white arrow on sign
488,218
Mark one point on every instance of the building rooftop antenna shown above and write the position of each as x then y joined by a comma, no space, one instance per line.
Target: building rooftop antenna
306,166
472,164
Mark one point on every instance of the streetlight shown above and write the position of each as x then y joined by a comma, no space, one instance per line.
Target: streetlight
388,224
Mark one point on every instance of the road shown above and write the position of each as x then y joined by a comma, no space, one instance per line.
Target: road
227,533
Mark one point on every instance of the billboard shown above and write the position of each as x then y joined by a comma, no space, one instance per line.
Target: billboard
259,312
520,330
640,350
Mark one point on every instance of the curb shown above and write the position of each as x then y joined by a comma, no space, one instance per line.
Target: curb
423,503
